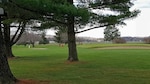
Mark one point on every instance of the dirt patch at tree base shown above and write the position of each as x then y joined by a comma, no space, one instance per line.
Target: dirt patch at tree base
32,82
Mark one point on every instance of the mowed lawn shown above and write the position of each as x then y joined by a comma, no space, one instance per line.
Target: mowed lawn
98,64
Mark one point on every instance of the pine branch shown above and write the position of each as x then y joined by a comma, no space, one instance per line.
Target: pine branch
93,28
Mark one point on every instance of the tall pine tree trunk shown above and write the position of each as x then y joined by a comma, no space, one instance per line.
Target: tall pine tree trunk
71,38
72,41
6,77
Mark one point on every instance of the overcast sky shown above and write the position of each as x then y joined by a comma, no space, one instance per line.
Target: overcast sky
139,26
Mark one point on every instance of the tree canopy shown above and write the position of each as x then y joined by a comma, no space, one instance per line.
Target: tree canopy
51,7
89,11
109,12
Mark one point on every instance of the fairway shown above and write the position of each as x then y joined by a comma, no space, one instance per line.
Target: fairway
98,64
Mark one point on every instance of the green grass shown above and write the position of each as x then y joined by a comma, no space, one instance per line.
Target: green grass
102,45
96,66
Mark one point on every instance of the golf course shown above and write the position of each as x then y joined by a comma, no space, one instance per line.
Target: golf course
102,63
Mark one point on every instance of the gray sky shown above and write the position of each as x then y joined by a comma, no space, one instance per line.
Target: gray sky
135,27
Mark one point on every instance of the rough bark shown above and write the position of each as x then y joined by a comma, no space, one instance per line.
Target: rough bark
6,77
8,51
72,40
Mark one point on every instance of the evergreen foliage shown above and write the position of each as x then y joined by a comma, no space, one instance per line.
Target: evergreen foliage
51,7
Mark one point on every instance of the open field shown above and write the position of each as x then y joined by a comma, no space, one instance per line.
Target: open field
99,64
